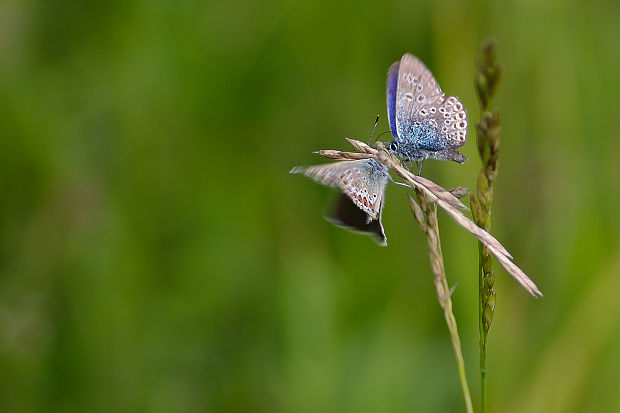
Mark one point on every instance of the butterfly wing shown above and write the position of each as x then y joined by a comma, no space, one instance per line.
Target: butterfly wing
363,181
392,83
446,120
416,85
346,214
425,117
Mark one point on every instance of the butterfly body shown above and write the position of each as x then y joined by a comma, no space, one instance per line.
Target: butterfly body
424,122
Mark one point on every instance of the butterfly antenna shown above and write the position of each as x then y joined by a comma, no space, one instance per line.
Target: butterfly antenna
383,133
373,129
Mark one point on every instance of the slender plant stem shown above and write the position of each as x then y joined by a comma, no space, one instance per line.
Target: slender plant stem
487,137
426,214
483,340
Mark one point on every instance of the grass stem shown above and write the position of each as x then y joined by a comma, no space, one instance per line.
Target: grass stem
487,79
425,212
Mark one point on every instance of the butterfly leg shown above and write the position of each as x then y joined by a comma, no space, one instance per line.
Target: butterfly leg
419,165
405,165
401,184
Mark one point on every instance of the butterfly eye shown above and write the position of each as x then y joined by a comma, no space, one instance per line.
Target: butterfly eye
393,146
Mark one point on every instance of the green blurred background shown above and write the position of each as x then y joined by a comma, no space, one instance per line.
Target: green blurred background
157,256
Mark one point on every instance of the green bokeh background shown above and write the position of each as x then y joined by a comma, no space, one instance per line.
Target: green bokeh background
156,256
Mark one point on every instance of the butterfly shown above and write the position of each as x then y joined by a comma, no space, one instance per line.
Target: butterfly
424,122
362,184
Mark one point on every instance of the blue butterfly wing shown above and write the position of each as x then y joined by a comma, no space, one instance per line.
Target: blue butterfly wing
392,83
416,87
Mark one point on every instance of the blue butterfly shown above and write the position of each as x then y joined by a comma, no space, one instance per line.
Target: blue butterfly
424,122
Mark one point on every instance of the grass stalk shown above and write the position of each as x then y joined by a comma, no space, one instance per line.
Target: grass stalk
425,212
487,136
